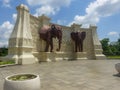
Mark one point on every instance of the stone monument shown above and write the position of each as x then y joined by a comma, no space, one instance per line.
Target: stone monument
20,41
26,47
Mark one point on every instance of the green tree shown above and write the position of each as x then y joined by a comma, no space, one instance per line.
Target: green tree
118,46
3,51
114,49
106,48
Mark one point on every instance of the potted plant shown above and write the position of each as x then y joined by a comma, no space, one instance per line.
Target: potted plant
22,82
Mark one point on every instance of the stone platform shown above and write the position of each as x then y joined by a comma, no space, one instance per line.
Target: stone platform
57,56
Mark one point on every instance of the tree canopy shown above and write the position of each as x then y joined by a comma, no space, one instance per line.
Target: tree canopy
110,48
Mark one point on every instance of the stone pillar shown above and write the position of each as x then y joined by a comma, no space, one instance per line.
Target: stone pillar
20,41
44,20
96,44
75,27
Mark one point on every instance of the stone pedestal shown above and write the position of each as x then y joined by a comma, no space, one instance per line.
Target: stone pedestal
98,53
58,56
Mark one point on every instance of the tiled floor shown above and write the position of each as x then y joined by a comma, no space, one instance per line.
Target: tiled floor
70,75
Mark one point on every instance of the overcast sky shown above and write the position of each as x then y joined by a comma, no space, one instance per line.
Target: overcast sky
103,13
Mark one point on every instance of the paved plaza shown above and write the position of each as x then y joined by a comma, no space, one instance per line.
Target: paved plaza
70,75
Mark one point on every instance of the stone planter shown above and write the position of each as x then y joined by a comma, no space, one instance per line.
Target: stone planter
117,67
22,82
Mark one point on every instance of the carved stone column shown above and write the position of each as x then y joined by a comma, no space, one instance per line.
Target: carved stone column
20,42
96,44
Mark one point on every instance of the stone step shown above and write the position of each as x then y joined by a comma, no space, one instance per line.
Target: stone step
58,56
100,57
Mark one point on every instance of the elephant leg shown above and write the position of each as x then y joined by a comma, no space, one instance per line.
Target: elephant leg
47,46
81,46
48,41
51,45
80,49
59,37
59,45
76,45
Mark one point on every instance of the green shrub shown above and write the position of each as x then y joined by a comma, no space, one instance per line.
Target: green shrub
6,62
3,51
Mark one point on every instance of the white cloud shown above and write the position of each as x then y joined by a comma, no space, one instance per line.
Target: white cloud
53,3
14,16
49,7
113,36
96,10
5,31
2,44
45,10
6,3
113,33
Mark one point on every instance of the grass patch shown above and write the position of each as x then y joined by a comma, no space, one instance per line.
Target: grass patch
113,57
22,77
6,62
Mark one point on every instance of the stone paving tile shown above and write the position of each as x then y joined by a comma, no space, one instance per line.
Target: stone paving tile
70,75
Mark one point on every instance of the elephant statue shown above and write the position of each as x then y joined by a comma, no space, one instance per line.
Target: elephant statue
47,33
78,38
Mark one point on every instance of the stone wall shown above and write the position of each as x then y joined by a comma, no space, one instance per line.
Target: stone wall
91,45
34,28
26,47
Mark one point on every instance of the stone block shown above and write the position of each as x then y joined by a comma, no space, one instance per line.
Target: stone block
58,56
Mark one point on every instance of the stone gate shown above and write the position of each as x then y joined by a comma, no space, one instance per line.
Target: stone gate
25,46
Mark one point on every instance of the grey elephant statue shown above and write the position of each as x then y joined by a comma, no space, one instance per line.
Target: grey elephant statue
78,38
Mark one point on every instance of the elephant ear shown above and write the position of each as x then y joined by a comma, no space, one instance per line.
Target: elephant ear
83,35
73,35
